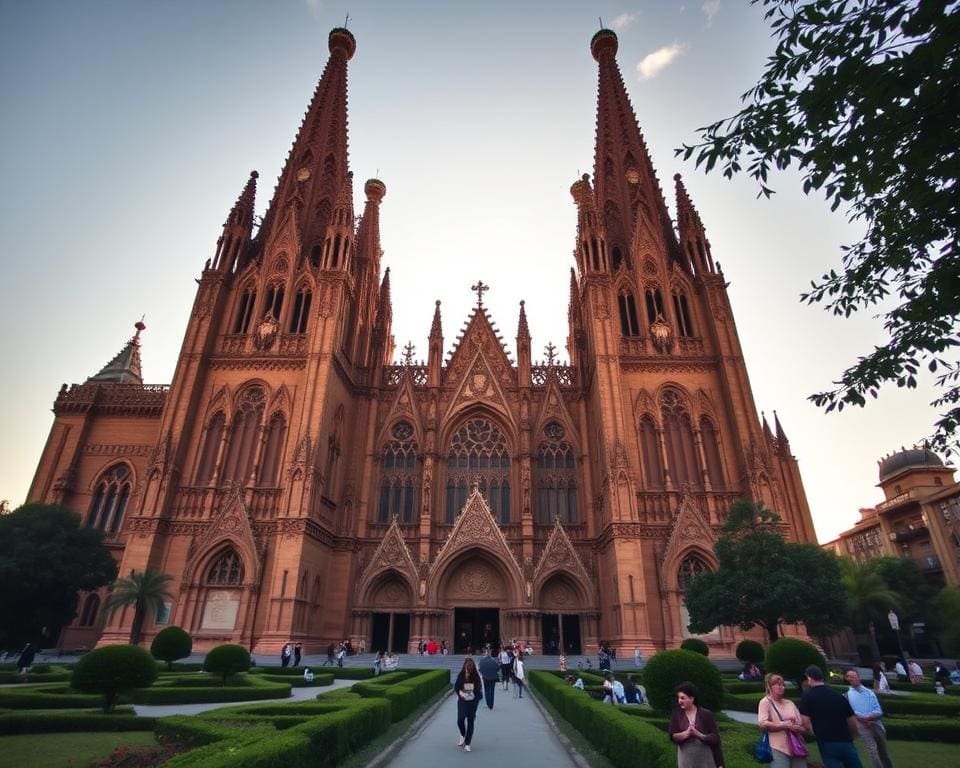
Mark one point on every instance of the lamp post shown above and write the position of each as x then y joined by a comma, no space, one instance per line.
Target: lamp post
895,626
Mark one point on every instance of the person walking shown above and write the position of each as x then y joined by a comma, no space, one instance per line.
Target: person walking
341,654
880,683
297,654
25,661
829,715
518,675
505,665
329,660
285,655
780,718
694,730
468,687
866,708
489,671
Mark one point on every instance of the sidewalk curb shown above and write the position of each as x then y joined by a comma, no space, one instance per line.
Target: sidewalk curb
387,756
577,758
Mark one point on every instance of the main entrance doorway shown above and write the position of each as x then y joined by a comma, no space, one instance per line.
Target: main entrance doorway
561,631
391,632
473,628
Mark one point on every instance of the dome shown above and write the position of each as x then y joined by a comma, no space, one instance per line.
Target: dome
603,40
917,458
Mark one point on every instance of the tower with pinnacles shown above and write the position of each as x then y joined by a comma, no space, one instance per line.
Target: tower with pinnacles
301,483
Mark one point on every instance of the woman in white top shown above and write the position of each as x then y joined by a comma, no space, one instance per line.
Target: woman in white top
778,716
518,675
880,682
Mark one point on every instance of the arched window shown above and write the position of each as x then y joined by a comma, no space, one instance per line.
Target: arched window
401,476
110,499
245,310
711,447
691,567
654,305
628,314
556,477
316,252
650,451
681,309
242,452
91,607
617,257
301,310
270,466
211,448
478,454
273,302
678,432
226,571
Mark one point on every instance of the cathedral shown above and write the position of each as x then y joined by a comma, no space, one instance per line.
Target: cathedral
300,483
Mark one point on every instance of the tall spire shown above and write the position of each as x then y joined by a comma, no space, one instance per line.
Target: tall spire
368,234
693,236
125,367
237,228
524,361
435,350
591,251
316,169
625,180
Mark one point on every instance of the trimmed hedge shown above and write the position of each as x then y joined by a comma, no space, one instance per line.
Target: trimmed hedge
48,696
922,729
203,689
113,670
352,673
750,651
667,669
319,679
227,660
403,690
696,645
56,673
789,656
171,644
62,722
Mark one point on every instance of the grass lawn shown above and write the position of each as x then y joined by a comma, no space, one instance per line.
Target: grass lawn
60,750
910,754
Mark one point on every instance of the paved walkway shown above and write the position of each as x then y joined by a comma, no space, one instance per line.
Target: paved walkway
515,732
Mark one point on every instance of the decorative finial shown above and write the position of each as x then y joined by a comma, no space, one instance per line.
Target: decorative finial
480,288
346,22
408,353
551,352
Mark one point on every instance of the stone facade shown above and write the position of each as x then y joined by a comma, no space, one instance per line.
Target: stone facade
300,484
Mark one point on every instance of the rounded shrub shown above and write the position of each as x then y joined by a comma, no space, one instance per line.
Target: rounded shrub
226,660
750,651
170,644
789,656
113,670
667,669
696,645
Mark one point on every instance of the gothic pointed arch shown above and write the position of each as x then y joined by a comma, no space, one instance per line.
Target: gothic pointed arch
690,533
477,533
222,400
400,473
553,407
392,556
559,558
281,400
479,453
555,481
480,384
111,489
229,528
403,408
479,338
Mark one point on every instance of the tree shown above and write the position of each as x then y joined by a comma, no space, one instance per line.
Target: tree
790,656
869,598
226,660
762,580
144,590
113,670
947,608
863,96
170,644
46,558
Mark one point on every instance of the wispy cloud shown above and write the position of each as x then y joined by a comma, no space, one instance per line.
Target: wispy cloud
315,6
710,9
654,63
624,20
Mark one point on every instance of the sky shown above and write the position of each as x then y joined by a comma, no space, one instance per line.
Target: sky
129,129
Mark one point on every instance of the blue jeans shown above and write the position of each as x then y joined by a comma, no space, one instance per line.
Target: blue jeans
839,754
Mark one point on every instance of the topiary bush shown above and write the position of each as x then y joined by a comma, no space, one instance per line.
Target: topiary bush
112,670
750,651
696,645
789,656
171,644
667,669
226,660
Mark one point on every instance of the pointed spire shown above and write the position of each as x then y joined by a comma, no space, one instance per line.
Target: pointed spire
125,367
524,359
316,169
693,236
368,234
591,249
384,305
626,183
766,429
436,327
237,228
435,349
781,435
523,331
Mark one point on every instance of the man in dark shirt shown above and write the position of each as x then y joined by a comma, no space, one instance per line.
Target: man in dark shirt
489,669
829,714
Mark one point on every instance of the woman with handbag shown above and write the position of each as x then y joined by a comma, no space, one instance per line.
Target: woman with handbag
469,690
694,730
780,721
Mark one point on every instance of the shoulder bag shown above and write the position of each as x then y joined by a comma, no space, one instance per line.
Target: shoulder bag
798,747
762,752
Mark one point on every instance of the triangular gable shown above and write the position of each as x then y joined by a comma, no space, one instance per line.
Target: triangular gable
689,527
474,526
392,554
480,385
480,335
230,525
554,408
286,237
646,237
404,406
559,555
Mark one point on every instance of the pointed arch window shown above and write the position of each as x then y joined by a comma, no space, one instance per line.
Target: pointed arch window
400,477
110,499
556,477
711,447
245,310
654,302
478,454
650,451
628,314
690,568
226,571
301,310
91,609
211,448
276,435
244,431
681,308
680,444
617,257
273,301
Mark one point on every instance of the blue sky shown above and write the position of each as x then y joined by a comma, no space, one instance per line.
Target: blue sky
130,128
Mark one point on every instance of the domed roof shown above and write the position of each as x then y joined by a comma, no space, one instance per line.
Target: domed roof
909,457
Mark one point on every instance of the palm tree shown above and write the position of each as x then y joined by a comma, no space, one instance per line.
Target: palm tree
144,590
868,598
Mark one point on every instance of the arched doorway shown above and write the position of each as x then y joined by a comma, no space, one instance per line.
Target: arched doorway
560,603
391,599
476,591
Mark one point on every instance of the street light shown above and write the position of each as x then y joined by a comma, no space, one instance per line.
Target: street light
895,626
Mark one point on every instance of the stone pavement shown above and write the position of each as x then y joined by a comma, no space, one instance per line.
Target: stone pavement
515,732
